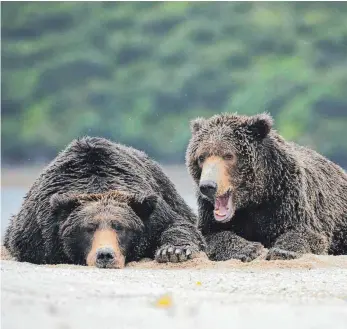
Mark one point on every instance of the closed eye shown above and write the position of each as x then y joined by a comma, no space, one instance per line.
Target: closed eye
228,156
90,228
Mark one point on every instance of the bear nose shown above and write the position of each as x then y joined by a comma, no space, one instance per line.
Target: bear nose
105,256
208,188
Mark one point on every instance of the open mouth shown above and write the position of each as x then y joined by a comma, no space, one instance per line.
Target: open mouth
223,209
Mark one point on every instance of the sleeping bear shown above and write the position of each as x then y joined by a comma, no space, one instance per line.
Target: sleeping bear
102,204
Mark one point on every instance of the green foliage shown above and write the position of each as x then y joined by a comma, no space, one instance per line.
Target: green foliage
137,72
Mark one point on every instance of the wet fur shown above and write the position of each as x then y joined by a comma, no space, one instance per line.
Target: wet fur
95,166
288,198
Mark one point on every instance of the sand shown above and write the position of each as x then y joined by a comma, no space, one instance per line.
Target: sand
307,262
310,292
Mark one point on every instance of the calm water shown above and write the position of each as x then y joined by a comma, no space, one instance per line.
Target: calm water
11,200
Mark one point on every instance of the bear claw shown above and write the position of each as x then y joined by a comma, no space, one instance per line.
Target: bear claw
173,254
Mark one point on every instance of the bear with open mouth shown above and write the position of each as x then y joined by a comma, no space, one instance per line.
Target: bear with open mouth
102,204
256,190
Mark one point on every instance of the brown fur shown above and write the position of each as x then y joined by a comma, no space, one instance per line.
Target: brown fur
119,195
96,184
285,197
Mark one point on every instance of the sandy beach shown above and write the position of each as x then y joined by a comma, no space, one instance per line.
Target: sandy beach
310,292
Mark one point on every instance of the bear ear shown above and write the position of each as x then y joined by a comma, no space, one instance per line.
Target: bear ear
260,125
196,124
65,202
143,205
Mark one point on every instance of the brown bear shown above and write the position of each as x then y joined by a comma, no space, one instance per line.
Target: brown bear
103,204
256,190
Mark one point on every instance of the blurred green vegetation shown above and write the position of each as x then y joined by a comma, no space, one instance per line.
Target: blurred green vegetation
136,72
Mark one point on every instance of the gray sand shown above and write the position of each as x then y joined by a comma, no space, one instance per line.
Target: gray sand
306,293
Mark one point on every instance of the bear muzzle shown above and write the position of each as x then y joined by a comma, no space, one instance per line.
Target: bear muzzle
105,257
215,186
208,188
105,251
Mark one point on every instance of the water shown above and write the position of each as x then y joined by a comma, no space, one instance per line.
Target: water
11,200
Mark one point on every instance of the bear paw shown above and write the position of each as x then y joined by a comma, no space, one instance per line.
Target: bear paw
246,254
175,254
278,253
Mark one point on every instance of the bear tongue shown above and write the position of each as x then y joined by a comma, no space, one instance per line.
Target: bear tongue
221,205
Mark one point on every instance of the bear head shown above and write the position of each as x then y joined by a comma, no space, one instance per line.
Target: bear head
224,157
101,229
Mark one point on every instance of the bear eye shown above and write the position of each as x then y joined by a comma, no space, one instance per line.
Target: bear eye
228,156
117,227
90,228
201,159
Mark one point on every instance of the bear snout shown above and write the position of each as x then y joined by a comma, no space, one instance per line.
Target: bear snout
105,257
105,251
214,179
208,188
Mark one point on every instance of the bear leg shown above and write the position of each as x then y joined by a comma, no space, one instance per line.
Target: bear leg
294,244
339,240
227,245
